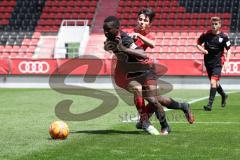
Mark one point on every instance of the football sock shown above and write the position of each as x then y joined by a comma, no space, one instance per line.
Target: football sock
173,105
220,90
212,95
142,109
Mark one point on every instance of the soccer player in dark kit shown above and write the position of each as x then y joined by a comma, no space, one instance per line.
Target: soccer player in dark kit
215,42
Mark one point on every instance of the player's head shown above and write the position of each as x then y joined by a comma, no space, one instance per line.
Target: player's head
111,27
216,23
145,17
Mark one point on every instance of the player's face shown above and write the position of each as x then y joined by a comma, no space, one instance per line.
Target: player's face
110,30
143,22
215,26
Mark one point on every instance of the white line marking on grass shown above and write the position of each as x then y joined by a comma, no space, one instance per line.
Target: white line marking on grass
207,122
203,98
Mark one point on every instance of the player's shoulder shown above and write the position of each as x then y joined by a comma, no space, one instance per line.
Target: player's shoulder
206,33
223,35
123,33
150,35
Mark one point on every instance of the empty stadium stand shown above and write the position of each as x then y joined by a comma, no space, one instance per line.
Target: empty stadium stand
22,22
177,25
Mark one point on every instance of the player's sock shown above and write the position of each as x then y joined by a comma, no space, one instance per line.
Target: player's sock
220,90
140,105
139,102
212,96
211,99
223,95
165,129
174,105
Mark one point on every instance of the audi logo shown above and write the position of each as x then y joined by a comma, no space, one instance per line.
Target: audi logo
33,67
233,67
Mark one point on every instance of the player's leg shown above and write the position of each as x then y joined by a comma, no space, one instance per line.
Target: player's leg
172,104
214,75
150,94
223,94
136,88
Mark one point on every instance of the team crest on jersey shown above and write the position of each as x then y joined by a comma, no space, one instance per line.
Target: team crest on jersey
220,39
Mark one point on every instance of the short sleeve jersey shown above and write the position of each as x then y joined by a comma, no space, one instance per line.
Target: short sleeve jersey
215,45
138,41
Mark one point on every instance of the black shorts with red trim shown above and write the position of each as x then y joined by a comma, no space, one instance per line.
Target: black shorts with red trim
214,72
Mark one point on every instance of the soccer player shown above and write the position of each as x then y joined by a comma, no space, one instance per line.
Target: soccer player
144,39
214,43
128,53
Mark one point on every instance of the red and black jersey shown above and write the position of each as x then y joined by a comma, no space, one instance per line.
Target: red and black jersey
138,41
214,44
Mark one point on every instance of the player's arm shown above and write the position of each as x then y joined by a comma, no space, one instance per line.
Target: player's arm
146,40
199,45
228,48
228,55
133,50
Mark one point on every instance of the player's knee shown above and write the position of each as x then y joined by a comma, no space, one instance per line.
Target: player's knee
137,89
152,100
213,83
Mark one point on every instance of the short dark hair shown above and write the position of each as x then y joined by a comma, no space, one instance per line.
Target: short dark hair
114,20
216,19
148,12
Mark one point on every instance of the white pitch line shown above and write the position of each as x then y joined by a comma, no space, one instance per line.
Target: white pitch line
208,122
203,98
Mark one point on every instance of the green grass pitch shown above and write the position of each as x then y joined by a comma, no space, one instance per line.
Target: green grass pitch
26,114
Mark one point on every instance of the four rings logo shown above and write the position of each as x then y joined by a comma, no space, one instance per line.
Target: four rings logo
233,67
33,67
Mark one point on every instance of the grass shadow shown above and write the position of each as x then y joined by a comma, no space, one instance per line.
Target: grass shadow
111,131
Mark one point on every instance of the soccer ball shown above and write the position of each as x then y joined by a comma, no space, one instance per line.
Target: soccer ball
59,130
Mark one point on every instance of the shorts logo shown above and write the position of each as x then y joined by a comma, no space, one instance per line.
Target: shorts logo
233,67
33,67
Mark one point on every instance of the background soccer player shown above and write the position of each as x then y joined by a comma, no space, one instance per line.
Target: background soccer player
214,43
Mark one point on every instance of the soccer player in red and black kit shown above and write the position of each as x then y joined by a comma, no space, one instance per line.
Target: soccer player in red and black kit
129,57
143,38
214,42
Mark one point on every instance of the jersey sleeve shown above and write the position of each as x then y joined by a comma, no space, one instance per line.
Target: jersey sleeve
201,39
150,36
128,42
227,43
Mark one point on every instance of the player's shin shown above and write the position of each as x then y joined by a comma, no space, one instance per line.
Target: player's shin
223,95
212,95
160,113
220,90
140,105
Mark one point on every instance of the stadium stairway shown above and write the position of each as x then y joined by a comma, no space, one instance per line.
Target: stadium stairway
106,8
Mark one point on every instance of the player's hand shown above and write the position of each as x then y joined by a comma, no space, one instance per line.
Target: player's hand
134,36
225,66
205,51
